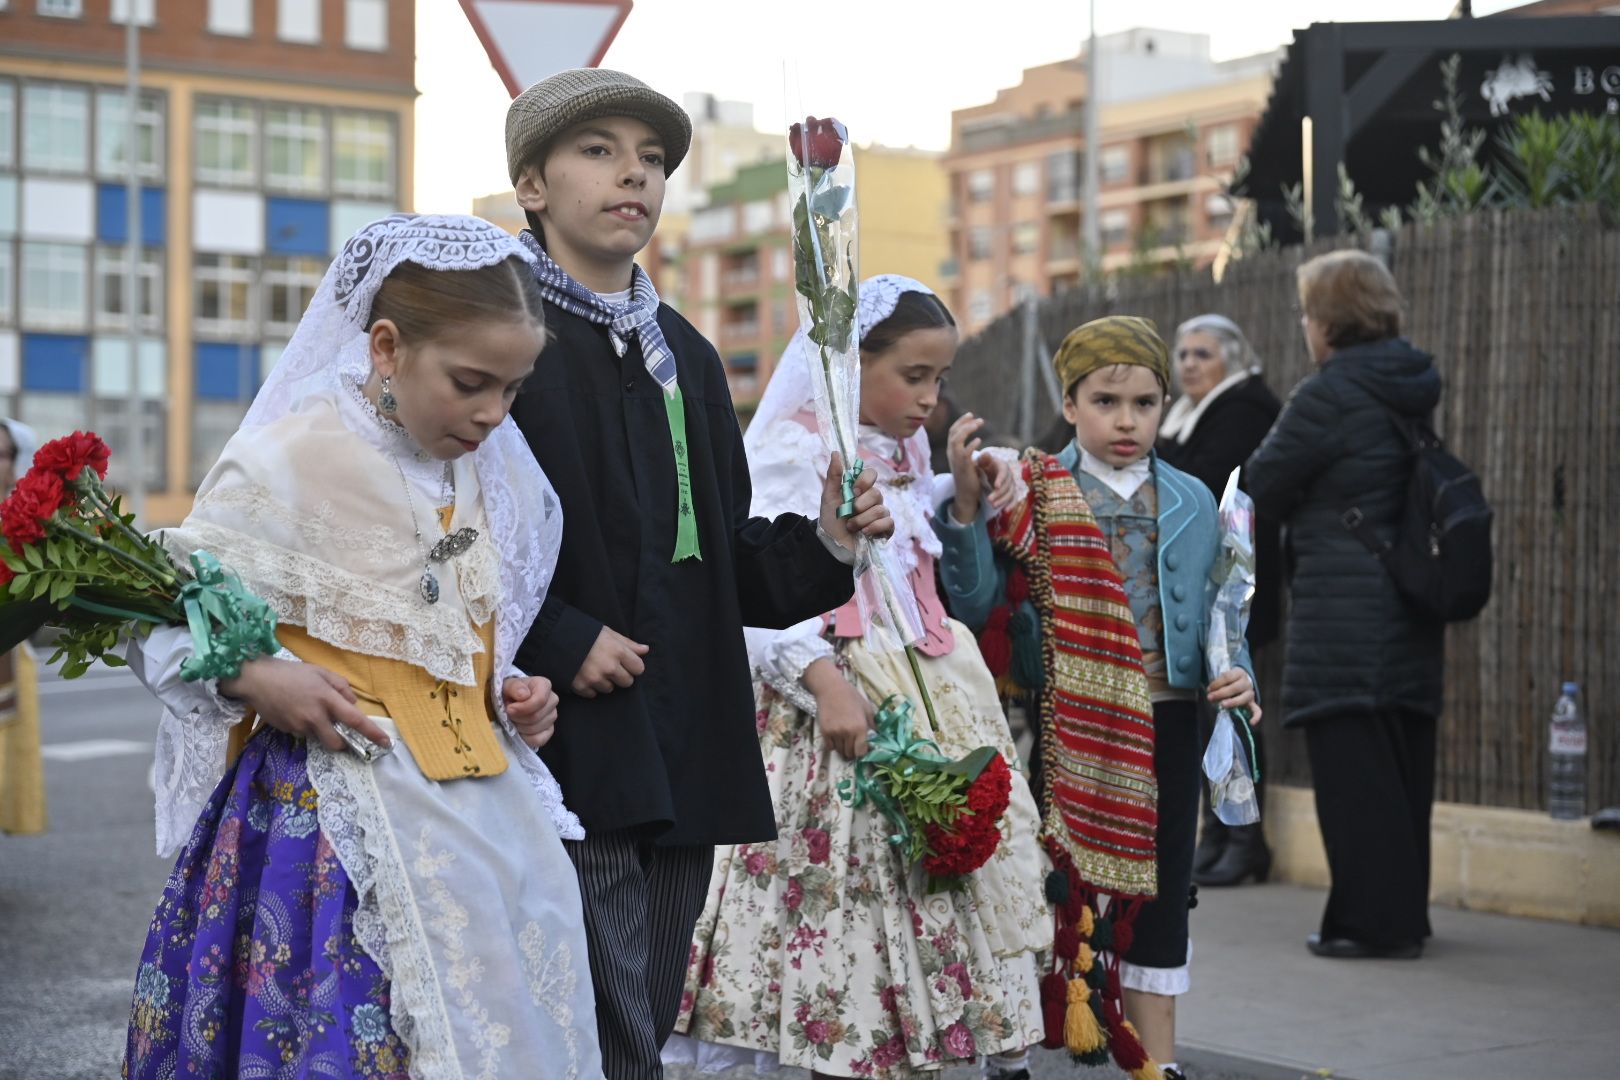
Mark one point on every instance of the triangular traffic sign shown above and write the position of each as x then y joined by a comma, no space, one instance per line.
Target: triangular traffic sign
528,40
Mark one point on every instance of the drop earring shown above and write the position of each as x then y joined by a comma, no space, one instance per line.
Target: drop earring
387,403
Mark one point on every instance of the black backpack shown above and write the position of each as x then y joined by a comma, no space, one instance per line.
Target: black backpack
1441,557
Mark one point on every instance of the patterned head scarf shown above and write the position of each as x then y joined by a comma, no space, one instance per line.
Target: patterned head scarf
1117,339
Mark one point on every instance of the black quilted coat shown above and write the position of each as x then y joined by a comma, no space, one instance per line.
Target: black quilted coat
1352,643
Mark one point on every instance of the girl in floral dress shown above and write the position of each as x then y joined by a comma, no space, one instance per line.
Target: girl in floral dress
373,882
824,949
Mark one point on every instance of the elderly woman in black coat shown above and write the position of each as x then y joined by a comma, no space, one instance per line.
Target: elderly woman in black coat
1222,411
1363,674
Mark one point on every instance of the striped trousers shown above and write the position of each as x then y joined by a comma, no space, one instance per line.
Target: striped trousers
641,902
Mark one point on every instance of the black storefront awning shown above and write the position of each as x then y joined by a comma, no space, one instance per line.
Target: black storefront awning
1370,91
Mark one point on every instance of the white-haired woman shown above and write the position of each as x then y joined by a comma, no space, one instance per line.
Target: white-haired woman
1222,412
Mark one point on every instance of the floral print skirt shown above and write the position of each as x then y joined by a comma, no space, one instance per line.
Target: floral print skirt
332,918
251,965
824,950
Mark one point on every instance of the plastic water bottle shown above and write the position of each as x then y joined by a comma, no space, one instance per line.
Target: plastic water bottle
1566,757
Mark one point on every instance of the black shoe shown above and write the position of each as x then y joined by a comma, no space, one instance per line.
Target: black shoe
1246,856
1350,949
1174,1074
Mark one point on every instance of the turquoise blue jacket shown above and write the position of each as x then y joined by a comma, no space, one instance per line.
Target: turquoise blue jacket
975,578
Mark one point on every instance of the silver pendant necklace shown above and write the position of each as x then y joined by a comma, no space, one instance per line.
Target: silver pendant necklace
451,545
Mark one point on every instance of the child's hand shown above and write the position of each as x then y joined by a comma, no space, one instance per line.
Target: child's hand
1000,476
1234,690
614,661
960,443
303,700
842,712
531,705
871,517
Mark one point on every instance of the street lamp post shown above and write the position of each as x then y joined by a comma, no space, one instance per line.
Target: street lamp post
1090,228
132,255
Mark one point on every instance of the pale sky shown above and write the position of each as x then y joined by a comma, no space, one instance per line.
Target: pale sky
893,70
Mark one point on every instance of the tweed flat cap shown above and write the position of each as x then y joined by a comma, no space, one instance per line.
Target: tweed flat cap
1116,339
553,105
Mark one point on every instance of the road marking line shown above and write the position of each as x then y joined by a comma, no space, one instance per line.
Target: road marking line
90,749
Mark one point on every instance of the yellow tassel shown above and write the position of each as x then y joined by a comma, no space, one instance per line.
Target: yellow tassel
1086,924
1081,1032
1084,961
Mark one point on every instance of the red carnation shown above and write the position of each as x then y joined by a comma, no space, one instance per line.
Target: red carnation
23,515
68,455
826,142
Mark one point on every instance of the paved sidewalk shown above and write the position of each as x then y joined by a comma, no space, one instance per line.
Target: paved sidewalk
1494,998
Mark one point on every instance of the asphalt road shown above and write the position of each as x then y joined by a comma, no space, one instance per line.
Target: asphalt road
75,901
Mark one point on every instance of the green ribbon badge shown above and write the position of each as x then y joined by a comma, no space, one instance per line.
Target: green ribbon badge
229,625
851,474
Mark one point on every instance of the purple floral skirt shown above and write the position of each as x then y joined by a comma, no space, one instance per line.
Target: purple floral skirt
251,966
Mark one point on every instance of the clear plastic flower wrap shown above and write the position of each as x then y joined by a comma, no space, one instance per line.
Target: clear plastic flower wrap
821,184
1229,760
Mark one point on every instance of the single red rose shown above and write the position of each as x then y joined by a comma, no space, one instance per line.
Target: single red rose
794,896
815,1032
819,143
68,455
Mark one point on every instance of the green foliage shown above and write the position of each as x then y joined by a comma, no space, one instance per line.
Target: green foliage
1299,211
1573,159
1457,184
97,574
928,795
1352,210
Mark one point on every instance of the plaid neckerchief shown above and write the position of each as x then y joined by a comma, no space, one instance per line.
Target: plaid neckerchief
637,318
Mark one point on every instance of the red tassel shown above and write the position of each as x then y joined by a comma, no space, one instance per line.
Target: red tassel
994,643
1066,943
1073,906
1017,587
1127,1049
1124,934
1054,999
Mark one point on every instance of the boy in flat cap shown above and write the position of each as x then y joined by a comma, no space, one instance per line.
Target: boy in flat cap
661,566
1108,553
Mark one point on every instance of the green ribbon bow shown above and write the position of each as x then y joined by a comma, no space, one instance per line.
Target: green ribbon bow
229,625
851,474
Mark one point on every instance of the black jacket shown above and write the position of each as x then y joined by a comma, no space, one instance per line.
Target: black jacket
1229,431
1353,644
677,752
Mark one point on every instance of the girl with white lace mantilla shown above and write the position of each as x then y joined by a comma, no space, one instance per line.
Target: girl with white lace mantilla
823,949
373,882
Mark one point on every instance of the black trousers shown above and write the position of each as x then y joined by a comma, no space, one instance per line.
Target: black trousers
641,902
1161,925
1374,779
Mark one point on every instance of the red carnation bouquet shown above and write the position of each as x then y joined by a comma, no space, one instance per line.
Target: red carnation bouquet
946,814
73,560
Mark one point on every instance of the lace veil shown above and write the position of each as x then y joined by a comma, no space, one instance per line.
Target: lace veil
328,556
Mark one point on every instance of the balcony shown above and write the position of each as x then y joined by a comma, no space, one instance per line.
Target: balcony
1059,195
1015,132
743,279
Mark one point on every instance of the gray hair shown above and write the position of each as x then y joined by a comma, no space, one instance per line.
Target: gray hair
1236,352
